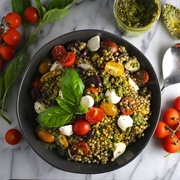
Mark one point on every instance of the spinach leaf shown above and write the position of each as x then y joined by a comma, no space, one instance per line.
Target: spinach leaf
53,15
54,117
59,4
72,86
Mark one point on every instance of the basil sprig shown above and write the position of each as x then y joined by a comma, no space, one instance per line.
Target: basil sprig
54,11
72,89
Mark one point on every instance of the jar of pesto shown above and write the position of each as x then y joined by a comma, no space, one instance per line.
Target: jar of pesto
134,17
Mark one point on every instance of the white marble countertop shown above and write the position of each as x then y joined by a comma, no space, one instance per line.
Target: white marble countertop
21,162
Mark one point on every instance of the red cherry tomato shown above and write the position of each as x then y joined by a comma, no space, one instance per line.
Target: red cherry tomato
171,144
13,20
7,52
1,64
176,103
171,116
161,130
142,76
13,136
80,148
1,35
177,133
94,115
128,105
57,52
31,14
109,45
81,126
12,37
68,59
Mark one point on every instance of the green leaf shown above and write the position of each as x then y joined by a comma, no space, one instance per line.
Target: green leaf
19,7
67,106
59,4
82,109
54,15
33,39
72,86
54,117
41,9
15,68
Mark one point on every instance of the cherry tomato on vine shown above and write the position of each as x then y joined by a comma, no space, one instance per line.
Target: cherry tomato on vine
177,133
12,37
171,116
80,148
13,136
31,14
13,20
68,59
94,115
176,103
171,144
128,105
81,126
7,52
109,45
58,51
142,76
161,130
1,64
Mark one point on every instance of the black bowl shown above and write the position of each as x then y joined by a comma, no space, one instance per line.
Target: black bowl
27,116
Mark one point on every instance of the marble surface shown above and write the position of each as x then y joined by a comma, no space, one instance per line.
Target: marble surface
21,162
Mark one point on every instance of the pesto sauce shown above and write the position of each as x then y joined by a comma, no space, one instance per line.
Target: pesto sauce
137,13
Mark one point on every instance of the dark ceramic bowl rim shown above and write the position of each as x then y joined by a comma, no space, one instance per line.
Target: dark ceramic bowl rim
51,156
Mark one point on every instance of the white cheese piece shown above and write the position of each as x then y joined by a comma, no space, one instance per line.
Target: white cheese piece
112,96
39,106
94,43
124,122
56,66
133,84
87,101
120,149
85,66
66,130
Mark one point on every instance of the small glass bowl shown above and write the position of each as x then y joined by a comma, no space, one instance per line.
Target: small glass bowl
134,31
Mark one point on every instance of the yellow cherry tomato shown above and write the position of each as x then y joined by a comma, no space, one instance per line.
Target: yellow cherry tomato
109,108
45,136
115,69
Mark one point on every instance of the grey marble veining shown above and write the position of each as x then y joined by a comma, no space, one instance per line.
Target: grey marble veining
21,162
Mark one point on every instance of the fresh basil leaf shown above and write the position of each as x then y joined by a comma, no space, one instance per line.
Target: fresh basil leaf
54,117
33,39
15,68
59,4
72,86
19,7
54,15
67,106
82,109
41,9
